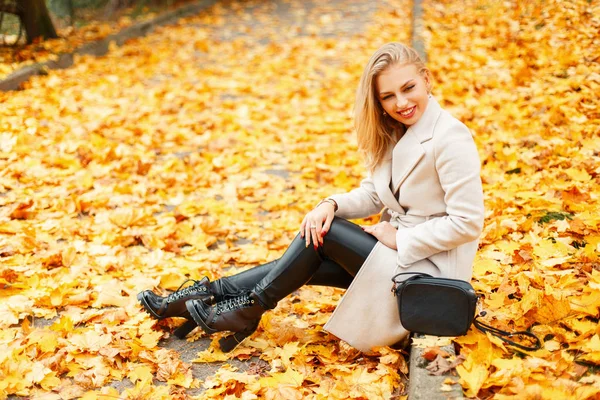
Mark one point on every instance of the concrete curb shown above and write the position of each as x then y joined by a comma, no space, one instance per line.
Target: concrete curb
417,27
424,386
100,47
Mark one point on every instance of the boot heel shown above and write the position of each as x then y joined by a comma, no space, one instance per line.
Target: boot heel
230,342
184,329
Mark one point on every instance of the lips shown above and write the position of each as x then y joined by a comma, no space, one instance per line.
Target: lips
407,113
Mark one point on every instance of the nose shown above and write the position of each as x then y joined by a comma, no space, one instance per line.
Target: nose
401,102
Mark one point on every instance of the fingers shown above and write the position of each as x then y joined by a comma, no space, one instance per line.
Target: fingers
319,235
314,226
307,233
370,229
383,232
325,228
315,237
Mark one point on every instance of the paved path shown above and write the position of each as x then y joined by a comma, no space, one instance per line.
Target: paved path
285,19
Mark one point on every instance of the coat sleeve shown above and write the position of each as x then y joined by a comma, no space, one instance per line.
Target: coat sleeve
458,167
359,203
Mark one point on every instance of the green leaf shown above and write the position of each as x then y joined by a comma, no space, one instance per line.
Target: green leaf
553,215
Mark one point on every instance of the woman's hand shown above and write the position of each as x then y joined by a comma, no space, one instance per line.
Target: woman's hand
316,223
384,232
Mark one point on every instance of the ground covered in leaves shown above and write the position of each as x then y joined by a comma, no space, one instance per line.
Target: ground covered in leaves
197,150
525,77
180,155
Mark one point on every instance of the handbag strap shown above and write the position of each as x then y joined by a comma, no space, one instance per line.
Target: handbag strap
504,334
416,275
410,273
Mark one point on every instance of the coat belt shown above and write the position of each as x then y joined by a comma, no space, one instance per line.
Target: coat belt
399,220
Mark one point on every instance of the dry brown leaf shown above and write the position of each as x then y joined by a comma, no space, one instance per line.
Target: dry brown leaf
441,366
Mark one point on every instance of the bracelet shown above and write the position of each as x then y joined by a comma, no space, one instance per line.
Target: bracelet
330,201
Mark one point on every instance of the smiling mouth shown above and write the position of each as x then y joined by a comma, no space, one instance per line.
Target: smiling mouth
408,112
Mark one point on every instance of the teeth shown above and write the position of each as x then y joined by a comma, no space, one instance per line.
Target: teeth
407,112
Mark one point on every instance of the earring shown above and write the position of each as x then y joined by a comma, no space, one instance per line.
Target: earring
384,113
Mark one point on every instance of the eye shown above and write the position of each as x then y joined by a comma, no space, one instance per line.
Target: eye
409,88
386,97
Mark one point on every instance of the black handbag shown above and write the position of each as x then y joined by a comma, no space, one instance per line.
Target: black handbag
445,307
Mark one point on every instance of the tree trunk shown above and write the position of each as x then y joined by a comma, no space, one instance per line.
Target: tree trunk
10,8
71,12
36,19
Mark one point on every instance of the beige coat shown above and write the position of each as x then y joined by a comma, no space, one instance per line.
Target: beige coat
438,209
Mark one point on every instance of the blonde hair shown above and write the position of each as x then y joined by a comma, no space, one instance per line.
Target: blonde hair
375,132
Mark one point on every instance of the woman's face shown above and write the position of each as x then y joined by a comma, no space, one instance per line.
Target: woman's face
403,92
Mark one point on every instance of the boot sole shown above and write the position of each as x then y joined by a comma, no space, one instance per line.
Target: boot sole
192,310
147,308
181,332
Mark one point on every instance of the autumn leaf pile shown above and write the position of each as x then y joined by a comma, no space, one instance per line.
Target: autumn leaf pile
525,77
193,152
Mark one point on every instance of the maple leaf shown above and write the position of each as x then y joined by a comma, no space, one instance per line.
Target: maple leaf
431,353
141,373
440,365
289,378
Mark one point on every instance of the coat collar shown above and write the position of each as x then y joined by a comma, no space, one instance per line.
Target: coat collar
402,158
423,129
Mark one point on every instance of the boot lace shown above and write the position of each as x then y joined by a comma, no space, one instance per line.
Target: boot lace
235,303
195,289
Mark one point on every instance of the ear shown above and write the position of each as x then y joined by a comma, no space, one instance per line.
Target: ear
428,80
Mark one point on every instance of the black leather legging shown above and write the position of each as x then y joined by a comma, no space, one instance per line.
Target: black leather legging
345,248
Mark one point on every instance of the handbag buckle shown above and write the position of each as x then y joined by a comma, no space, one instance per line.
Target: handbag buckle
480,311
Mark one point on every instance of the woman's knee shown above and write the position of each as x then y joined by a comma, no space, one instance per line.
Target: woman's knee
340,226
344,235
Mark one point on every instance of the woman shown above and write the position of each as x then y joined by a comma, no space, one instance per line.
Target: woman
424,174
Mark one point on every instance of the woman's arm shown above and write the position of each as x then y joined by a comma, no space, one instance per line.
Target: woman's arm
458,166
359,203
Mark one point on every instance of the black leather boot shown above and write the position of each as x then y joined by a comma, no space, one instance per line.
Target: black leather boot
239,314
173,305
